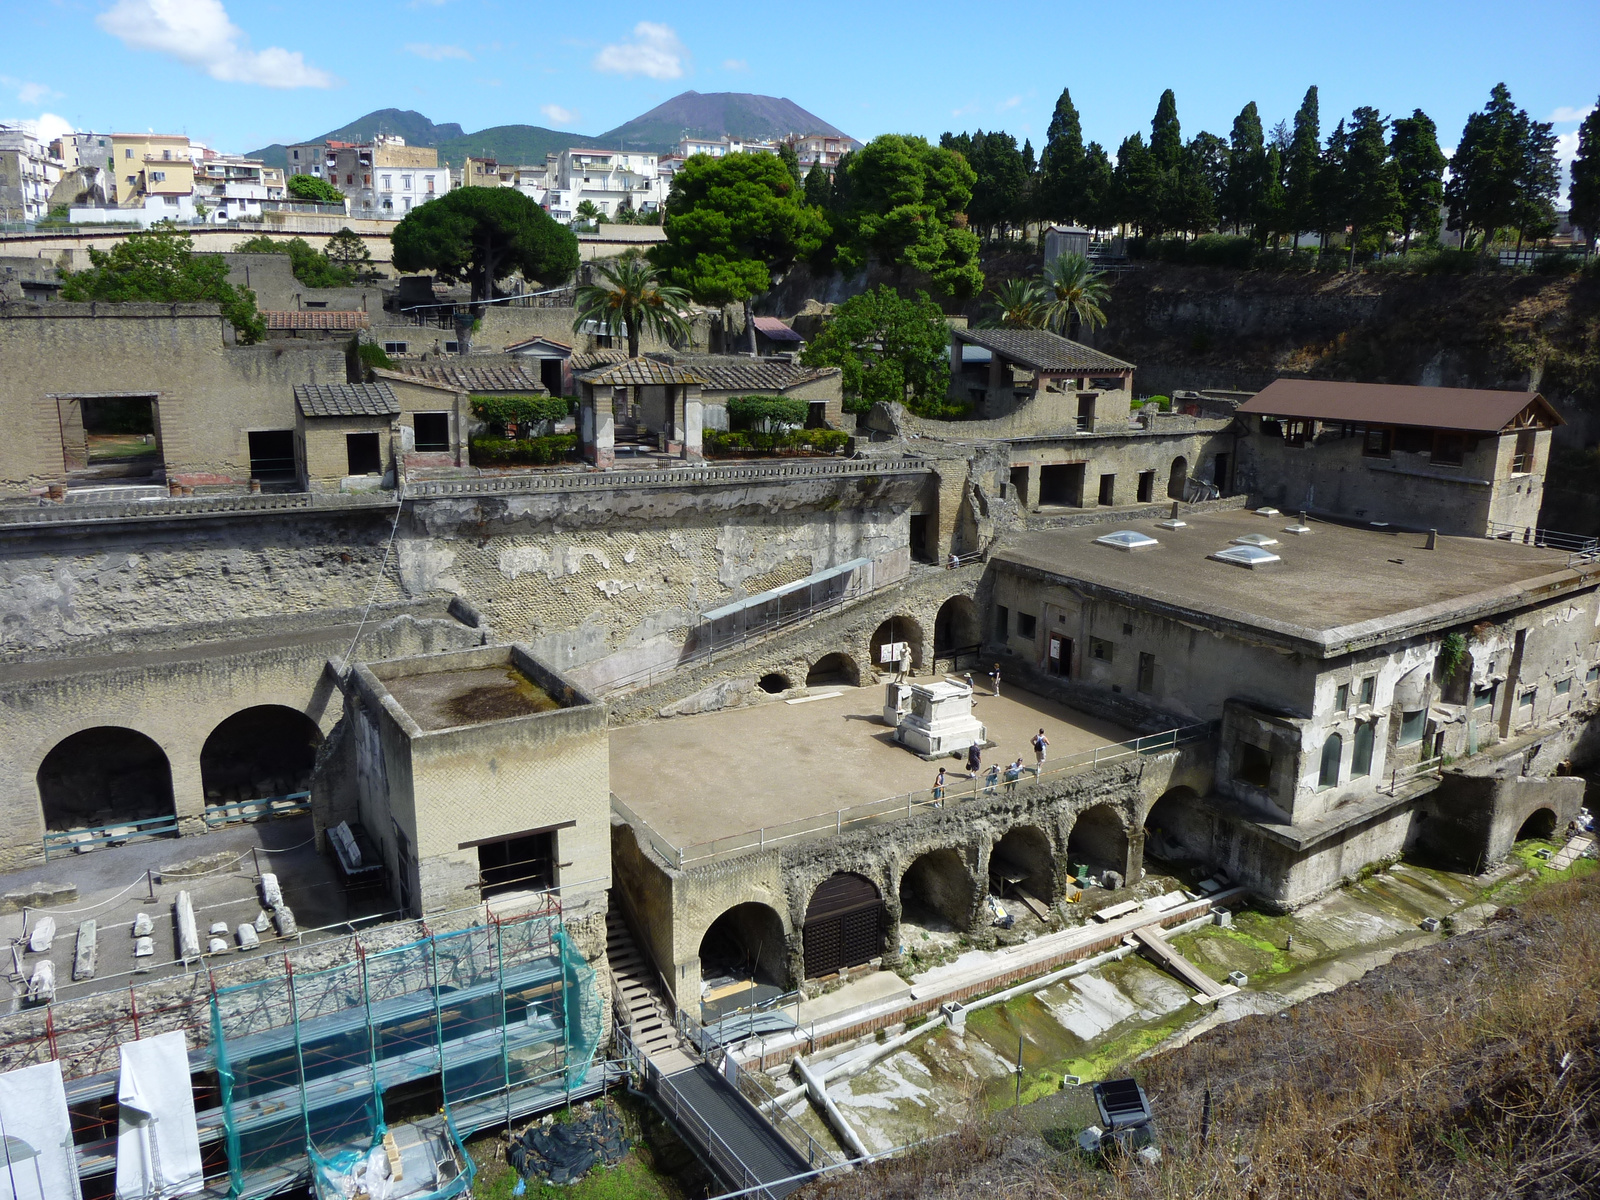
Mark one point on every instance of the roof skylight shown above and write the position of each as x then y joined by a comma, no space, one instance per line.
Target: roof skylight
1254,539
1246,556
1128,539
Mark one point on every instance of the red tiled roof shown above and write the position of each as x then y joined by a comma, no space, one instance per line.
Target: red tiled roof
776,330
315,318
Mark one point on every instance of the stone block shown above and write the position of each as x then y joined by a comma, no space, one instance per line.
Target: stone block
85,952
283,919
42,983
248,938
44,932
217,945
271,893
38,895
142,925
144,947
188,932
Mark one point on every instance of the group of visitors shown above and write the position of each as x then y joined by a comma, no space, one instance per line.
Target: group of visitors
992,779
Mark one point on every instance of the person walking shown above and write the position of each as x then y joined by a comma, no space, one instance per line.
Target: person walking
938,789
994,679
991,780
1013,773
974,760
1040,745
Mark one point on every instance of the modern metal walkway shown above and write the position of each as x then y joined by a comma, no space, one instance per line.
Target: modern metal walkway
737,1140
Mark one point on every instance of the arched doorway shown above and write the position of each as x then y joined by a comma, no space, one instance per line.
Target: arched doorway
844,924
833,670
268,750
1541,824
1177,478
1172,830
938,889
1022,858
742,958
955,628
896,629
1099,840
104,775
774,683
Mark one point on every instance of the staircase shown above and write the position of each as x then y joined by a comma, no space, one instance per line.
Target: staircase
640,1006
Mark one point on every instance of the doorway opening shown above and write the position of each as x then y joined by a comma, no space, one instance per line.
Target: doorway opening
525,862
272,456
1062,484
363,454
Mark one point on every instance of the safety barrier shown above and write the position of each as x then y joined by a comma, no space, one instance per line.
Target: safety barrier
290,805
94,836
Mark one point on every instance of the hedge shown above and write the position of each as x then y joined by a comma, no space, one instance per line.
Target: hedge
824,441
763,412
499,451
500,411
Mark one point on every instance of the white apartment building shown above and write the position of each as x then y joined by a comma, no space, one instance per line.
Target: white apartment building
28,174
231,186
720,147
605,178
384,179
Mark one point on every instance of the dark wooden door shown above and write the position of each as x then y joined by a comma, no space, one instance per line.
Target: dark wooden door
844,925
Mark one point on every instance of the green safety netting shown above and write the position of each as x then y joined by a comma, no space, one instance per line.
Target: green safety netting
492,1011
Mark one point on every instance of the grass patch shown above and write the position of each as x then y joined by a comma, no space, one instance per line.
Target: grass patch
630,1179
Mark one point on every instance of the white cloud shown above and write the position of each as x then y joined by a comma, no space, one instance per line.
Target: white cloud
735,64
1011,103
1566,148
46,126
28,93
199,33
436,53
655,51
561,116
1565,115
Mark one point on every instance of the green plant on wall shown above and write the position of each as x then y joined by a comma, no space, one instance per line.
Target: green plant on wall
766,413
1452,653
499,412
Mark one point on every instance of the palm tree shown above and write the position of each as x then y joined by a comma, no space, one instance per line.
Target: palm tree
588,213
628,298
1074,295
1018,304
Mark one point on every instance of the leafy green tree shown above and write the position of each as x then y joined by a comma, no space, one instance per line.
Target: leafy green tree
159,264
1000,191
1538,183
1503,173
819,188
348,251
1373,195
1300,167
731,224
1137,186
899,202
1098,195
1247,162
1584,194
1016,304
1419,175
791,160
309,187
310,267
1075,295
1166,136
628,298
888,348
1188,200
483,235
1271,213
1333,189
1062,164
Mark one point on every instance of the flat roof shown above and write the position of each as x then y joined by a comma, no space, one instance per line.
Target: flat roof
1338,588
1474,409
713,775
469,696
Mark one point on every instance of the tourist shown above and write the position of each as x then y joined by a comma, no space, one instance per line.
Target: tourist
938,789
992,779
1040,745
1013,773
994,679
974,760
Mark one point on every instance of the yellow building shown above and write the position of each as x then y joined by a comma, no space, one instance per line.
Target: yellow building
150,164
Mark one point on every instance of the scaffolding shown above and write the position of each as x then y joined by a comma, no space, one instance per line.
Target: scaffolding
303,1060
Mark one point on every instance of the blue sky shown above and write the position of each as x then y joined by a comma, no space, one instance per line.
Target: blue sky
238,74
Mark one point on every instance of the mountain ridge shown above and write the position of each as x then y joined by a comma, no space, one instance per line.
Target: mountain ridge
689,114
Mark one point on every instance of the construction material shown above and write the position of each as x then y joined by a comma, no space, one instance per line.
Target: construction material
271,893
39,1160
248,938
44,932
1034,906
1156,946
158,1143
42,983
143,926
188,934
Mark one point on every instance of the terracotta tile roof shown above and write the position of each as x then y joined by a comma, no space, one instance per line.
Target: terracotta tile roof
534,341
474,379
591,359
346,400
642,372
1042,350
315,318
730,373
1473,409
776,330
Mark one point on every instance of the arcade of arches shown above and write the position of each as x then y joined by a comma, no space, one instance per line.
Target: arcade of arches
896,629
104,775
264,751
833,670
1099,840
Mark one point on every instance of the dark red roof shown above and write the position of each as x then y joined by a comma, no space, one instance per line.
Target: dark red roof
1476,410
315,318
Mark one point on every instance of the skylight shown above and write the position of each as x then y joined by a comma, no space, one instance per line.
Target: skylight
1128,539
1246,556
1297,527
1172,523
1268,512
1254,539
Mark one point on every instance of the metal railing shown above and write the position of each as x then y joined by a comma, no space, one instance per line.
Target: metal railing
900,807
95,836
1401,775
1579,547
293,804
673,476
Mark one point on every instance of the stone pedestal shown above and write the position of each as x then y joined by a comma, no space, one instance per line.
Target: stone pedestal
940,720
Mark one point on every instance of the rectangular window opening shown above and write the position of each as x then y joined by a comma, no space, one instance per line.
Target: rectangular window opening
272,455
1101,649
521,864
1147,486
1369,689
1341,697
1483,697
433,430
394,347
363,454
1026,625
1147,673
1376,443
1252,765
1108,490
1361,754
1412,724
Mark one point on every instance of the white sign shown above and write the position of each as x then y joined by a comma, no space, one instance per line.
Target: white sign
893,652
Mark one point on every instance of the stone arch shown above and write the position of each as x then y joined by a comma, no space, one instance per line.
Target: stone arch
938,886
956,626
1178,478
1025,850
898,628
746,941
836,669
844,924
266,750
1099,840
103,775
774,683
1540,823
1174,826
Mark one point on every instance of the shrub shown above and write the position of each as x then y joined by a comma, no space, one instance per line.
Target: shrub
500,451
738,441
309,187
372,355
1558,264
1164,403
765,412
499,412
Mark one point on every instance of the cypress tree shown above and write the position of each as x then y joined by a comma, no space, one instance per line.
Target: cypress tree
819,188
1584,195
1300,168
1246,164
1419,175
1061,163
1166,138
1373,199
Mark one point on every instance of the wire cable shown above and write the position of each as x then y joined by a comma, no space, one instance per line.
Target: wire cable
399,507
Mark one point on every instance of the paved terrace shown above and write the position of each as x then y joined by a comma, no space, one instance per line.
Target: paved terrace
1336,589
699,778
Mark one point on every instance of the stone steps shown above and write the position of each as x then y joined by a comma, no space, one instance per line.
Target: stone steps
639,1003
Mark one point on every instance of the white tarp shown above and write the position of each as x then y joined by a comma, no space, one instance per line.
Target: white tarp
158,1144
39,1163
